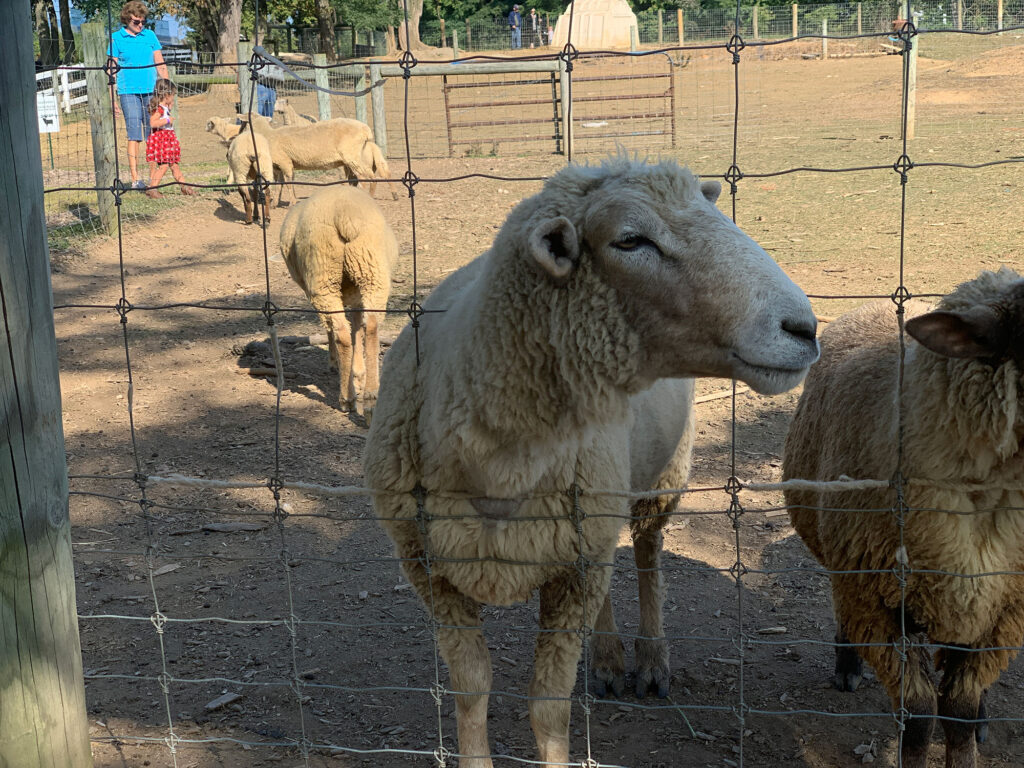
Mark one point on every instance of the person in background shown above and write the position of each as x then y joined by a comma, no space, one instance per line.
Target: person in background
515,23
136,50
534,19
266,98
163,150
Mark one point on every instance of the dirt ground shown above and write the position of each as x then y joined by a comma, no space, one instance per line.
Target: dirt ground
250,604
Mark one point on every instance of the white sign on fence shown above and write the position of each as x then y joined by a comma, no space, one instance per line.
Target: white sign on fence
48,111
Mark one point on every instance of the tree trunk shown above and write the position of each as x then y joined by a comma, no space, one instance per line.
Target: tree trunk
46,29
325,22
229,26
66,32
389,39
414,10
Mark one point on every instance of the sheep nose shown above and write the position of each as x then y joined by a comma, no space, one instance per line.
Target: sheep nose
803,329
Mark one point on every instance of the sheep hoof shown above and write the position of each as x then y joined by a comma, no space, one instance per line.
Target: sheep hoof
609,682
981,727
849,670
652,668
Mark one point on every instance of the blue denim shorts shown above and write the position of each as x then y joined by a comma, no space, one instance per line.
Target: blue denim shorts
135,108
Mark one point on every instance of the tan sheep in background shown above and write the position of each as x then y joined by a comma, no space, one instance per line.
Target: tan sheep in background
341,252
339,143
248,159
961,541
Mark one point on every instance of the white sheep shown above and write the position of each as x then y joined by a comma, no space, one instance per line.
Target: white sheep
288,114
522,381
249,159
341,252
962,463
339,143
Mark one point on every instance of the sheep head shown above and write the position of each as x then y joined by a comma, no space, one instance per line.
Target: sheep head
702,298
992,331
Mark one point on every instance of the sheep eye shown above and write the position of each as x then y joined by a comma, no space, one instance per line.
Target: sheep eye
632,243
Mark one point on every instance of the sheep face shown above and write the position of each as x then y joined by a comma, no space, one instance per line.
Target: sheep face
702,298
992,332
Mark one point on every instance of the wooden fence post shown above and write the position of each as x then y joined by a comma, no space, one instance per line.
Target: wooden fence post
661,26
634,38
101,122
455,43
469,36
860,20
911,100
246,89
753,20
563,95
361,112
999,16
824,39
44,721
380,125
323,100
796,30
679,27
443,38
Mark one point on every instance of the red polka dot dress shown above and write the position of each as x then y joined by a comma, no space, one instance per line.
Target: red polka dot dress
162,146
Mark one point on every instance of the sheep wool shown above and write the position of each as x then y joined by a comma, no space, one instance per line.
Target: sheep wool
340,250
552,366
248,159
962,467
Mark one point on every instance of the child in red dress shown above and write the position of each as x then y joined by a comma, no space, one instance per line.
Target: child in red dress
162,147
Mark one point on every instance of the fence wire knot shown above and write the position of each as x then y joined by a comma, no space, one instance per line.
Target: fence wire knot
112,68
738,569
901,166
415,312
733,175
906,33
256,63
589,763
123,308
587,701
410,180
734,46
442,755
407,61
158,620
172,743
901,716
900,297
437,692
269,310
117,189
164,680
568,55
276,484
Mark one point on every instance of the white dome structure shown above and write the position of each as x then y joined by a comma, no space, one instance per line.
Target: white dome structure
596,24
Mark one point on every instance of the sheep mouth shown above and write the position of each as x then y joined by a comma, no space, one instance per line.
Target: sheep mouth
495,509
768,379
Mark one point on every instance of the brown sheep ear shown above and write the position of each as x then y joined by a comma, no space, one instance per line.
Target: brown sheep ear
976,332
711,190
554,246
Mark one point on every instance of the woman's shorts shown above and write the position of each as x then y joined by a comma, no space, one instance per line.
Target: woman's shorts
136,118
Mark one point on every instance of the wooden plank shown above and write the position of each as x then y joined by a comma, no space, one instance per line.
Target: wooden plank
246,86
101,123
323,100
380,123
43,717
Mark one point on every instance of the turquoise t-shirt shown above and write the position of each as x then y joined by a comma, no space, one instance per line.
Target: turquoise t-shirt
134,51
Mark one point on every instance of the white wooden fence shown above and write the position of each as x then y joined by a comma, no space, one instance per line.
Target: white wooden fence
68,82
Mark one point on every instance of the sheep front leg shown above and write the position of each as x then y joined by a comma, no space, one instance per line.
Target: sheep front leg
651,648
566,606
609,658
464,650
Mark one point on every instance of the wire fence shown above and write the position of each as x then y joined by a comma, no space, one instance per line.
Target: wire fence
224,668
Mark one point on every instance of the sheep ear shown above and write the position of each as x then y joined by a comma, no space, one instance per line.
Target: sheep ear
711,190
554,246
975,332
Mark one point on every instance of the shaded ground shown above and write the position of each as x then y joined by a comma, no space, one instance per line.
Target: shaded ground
358,644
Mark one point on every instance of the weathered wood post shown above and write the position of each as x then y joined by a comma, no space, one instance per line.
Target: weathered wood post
661,26
679,27
563,96
320,76
860,20
469,36
753,20
101,122
634,38
443,38
246,87
911,100
824,39
380,125
455,43
796,30
361,111
999,16
44,723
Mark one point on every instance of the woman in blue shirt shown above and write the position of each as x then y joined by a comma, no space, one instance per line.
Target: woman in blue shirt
134,46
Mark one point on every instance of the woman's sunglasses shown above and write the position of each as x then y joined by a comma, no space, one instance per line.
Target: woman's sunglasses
138,22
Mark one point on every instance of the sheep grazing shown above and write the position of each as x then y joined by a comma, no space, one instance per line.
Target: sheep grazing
249,159
339,143
526,386
963,464
341,252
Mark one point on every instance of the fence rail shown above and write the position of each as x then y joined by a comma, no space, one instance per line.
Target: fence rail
64,81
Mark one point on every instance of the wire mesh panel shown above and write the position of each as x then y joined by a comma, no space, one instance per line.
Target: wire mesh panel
240,603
